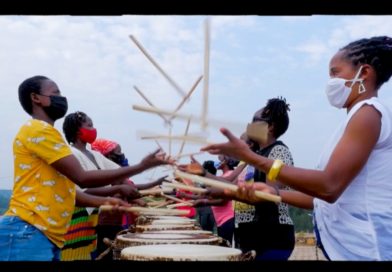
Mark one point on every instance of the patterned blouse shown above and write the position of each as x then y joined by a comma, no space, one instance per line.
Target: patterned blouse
41,196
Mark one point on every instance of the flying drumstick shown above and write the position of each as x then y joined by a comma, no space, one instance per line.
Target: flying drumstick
186,97
150,103
185,134
175,137
149,57
206,73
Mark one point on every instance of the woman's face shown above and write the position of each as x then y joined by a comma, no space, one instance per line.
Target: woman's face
88,123
341,68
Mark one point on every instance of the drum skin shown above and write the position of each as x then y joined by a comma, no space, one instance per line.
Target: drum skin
180,252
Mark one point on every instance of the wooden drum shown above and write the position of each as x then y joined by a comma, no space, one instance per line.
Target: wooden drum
139,239
180,252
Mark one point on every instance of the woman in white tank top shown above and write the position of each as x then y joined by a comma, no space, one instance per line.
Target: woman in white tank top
351,190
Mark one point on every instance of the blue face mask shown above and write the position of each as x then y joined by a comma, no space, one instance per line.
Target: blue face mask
217,164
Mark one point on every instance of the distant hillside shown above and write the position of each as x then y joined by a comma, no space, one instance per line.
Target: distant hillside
4,200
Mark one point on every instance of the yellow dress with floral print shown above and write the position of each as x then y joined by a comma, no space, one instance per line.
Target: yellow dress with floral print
41,196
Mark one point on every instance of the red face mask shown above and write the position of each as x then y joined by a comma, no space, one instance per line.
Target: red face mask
87,135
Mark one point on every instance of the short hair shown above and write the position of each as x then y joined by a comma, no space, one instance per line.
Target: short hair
72,123
375,51
26,88
275,113
209,167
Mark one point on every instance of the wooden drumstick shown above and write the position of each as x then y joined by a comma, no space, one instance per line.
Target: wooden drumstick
165,75
171,206
177,137
154,191
144,210
176,199
185,134
185,187
211,122
187,96
223,185
206,73
150,103
189,154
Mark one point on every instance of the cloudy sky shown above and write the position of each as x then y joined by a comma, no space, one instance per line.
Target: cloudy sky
252,59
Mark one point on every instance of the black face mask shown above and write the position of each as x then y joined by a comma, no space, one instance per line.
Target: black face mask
58,107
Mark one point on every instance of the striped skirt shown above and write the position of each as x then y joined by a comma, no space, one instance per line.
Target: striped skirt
81,237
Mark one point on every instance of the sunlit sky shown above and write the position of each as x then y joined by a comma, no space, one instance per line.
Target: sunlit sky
252,59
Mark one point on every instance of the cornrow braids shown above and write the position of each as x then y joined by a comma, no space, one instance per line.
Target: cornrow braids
72,123
375,51
276,113
26,88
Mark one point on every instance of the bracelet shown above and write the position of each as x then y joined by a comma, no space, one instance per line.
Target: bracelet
275,169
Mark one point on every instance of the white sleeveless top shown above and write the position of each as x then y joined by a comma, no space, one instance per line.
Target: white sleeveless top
358,226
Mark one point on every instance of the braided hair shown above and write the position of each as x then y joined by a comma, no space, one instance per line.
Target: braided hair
26,88
375,51
275,113
72,123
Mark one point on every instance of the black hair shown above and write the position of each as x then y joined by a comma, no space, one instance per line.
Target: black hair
72,123
375,51
231,162
275,113
26,88
210,167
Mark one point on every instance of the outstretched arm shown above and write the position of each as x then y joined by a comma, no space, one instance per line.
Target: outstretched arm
346,161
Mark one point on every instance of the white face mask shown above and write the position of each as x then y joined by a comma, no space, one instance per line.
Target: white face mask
258,131
337,91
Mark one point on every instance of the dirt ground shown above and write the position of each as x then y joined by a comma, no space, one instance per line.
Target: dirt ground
305,252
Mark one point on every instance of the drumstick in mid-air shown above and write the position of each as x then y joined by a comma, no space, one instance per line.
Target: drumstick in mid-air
150,103
206,74
186,97
165,75
224,185
188,138
185,134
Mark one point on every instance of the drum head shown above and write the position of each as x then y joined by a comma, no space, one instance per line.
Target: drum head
157,227
180,252
166,238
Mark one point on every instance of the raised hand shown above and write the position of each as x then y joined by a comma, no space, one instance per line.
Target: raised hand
193,168
156,158
235,147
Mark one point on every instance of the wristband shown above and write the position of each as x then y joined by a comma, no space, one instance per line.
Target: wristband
275,169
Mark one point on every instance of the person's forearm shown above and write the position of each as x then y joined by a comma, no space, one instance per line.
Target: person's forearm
297,199
312,182
70,167
103,191
145,186
87,200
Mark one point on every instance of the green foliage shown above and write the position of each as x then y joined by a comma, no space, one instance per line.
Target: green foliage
302,219
4,200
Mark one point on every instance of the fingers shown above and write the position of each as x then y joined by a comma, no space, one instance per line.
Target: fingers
228,134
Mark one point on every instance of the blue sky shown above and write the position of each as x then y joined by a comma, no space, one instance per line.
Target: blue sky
252,59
